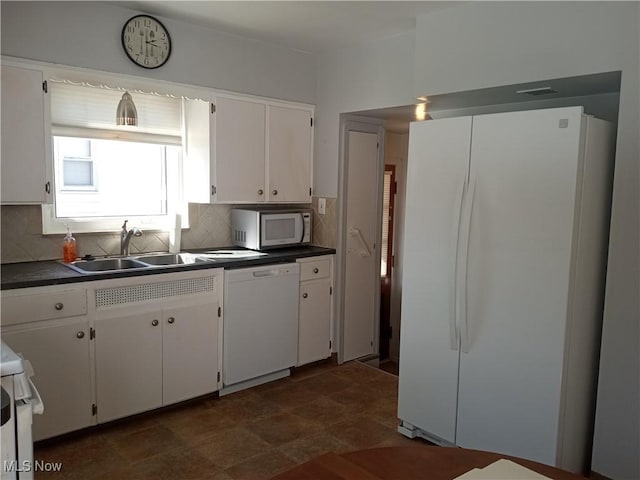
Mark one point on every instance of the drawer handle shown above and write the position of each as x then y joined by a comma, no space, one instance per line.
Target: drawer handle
315,270
59,306
305,295
171,319
80,334
155,323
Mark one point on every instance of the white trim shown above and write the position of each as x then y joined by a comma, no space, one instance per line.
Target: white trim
367,125
105,134
132,82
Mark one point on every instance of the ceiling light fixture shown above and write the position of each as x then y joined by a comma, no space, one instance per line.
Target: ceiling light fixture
126,114
421,112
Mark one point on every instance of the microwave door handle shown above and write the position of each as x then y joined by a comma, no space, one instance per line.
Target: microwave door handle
303,229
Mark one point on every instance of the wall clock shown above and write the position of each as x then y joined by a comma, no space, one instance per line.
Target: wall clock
146,41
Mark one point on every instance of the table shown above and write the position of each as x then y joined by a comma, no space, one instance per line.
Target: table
406,463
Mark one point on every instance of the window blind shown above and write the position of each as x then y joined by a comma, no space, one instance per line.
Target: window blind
386,203
80,107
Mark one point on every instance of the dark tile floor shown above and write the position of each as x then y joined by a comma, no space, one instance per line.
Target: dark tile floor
252,434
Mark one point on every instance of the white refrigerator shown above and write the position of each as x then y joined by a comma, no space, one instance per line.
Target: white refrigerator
506,234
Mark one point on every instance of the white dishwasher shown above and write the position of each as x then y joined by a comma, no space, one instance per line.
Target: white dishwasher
260,324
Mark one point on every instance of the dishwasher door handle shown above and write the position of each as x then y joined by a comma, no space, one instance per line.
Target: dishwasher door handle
268,273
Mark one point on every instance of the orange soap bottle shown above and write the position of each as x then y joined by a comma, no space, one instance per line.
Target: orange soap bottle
69,253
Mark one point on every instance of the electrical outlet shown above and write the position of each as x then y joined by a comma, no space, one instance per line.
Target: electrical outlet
322,206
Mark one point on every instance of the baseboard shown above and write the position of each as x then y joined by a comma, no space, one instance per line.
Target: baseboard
597,476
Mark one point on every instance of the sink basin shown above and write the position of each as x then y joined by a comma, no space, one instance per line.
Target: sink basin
171,259
105,265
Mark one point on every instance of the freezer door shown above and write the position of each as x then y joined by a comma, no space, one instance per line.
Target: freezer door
429,344
524,166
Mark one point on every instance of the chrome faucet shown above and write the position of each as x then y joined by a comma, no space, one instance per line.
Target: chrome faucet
125,237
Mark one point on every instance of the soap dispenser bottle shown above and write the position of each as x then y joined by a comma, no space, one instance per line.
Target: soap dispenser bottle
69,252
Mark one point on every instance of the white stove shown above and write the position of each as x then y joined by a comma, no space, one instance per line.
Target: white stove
21,401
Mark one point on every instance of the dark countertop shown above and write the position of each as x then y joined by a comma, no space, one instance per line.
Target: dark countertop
52,272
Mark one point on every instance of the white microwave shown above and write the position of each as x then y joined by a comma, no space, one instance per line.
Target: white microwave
262,229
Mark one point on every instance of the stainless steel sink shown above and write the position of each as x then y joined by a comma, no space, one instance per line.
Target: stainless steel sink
171,259
106,265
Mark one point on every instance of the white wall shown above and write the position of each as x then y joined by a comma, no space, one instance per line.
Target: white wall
379,74
87,34
483,44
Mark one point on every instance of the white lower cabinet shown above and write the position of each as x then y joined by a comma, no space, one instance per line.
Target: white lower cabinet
59,353
189,351
316,307
157,343
50,327
128,365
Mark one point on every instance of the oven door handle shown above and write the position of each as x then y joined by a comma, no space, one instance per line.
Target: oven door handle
37,405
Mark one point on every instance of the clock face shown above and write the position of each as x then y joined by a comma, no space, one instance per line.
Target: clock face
146,41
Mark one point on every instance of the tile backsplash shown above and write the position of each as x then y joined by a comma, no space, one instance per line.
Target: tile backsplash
210,227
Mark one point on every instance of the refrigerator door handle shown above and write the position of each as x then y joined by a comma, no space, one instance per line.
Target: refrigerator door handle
467,213
454,334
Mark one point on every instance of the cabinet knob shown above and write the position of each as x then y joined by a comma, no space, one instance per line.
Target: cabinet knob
275,192
315,270
59,306
305,295
171,319
47,187
260,192
155,323
80,334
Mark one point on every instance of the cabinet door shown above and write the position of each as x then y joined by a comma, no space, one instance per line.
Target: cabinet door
24,151
189,352
314,329
238,148
128,365
290,151
59,354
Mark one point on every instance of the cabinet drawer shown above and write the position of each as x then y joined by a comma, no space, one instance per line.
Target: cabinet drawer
311,270
43,306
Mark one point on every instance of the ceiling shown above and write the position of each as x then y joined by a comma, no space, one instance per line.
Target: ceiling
306,26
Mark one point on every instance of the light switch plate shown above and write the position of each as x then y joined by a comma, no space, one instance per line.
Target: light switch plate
322,206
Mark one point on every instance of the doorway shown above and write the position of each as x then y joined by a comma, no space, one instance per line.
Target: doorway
386,259
359,227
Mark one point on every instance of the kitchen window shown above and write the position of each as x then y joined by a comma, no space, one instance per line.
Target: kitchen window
104,173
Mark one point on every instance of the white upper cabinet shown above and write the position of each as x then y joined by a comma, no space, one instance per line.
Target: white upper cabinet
244,151
25,138
237,145
289,154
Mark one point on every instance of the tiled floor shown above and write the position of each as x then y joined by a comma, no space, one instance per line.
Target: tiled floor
252,434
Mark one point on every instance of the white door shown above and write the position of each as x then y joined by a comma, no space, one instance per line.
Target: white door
518,270
314,328
59,354
429,346
361,280
290,149
128,365
23,137
189,351
239,145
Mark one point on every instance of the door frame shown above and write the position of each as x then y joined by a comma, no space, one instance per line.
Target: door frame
356,123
